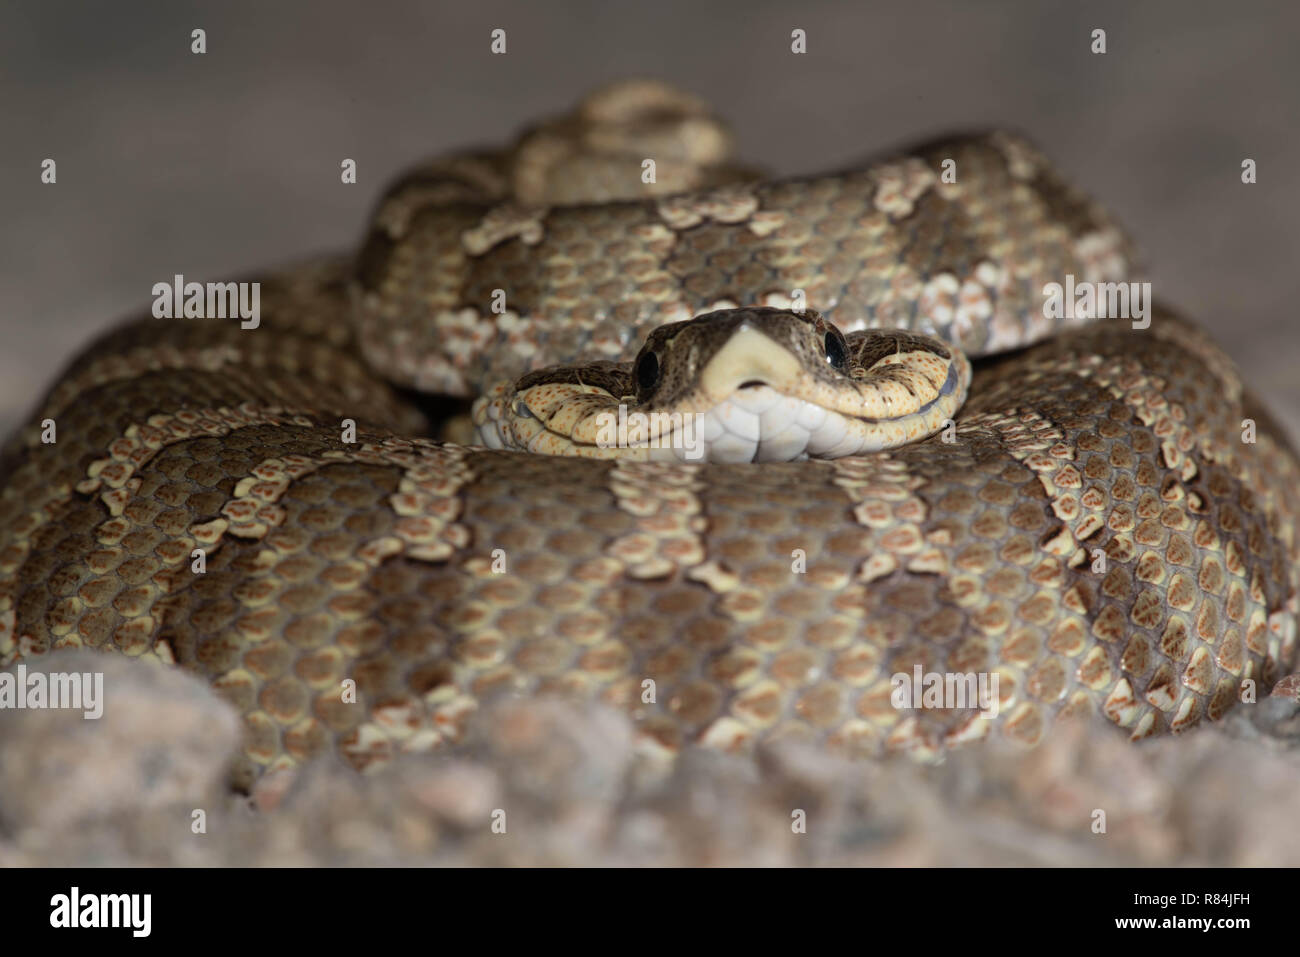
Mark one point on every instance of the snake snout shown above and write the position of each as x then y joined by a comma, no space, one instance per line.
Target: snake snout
748,359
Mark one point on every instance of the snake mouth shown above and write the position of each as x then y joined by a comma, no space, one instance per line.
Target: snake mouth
761,424
754,424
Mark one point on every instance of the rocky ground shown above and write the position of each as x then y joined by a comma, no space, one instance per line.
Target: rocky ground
567,787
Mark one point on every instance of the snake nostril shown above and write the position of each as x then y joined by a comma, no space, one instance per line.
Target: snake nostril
752,384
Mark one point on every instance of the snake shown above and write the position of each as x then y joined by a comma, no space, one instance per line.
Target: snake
861,448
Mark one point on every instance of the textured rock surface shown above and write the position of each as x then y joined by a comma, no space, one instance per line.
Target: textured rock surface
162,738
573,792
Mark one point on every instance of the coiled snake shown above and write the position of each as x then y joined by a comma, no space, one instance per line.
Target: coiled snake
260,506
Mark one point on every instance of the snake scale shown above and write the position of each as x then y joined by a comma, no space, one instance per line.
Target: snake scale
1091,528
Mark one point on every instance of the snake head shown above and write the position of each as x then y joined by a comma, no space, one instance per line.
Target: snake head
738,385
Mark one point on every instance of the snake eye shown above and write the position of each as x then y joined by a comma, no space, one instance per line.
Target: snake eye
647,372
836,354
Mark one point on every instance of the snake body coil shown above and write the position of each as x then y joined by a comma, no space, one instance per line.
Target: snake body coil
1091,528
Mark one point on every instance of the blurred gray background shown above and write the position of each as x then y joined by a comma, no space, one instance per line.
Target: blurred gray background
211,165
